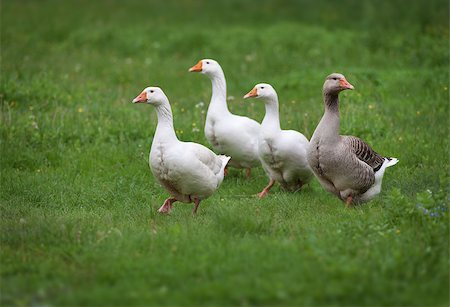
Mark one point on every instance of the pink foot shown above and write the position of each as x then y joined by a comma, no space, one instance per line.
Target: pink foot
265,191
167,206
263,194
196,202
349,201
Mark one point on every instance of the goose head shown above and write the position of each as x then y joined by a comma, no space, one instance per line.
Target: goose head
151,95
262,90
206,66
335,83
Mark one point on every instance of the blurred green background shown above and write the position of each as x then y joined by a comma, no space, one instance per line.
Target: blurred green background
78,202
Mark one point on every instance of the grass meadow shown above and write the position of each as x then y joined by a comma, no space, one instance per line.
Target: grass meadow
78,202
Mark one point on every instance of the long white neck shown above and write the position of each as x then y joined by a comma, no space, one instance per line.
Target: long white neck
218,104
271,121
164,130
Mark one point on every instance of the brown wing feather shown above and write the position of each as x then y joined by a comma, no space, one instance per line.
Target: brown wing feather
364,152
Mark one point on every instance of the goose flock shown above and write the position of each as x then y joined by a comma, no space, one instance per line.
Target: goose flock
344,165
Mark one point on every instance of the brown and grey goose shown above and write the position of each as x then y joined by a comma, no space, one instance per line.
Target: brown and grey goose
344,165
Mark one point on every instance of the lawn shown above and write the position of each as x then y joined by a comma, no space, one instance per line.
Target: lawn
78,202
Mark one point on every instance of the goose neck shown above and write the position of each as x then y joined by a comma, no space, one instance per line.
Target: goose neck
219,93
329,125
165,129
271,118
331,101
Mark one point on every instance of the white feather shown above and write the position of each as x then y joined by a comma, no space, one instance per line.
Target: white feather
229,134
375,189
186,170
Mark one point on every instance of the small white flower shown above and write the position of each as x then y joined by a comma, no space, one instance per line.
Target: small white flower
201,104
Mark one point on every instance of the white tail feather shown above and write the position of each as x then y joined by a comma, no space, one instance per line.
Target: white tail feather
221,173
376,187
224,159
392,162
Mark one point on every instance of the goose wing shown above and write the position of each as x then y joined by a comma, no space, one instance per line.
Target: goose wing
207,157
363,152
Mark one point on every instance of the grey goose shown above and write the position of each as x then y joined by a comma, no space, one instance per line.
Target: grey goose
344,165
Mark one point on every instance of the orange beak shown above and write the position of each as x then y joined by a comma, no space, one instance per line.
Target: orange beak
141,98
197,67
345,84
252,93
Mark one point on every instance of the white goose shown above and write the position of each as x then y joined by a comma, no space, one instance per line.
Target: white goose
229,134
344,165
190,172
282,152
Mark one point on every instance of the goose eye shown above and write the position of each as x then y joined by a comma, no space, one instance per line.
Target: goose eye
262,87
335,79
152,91
207,62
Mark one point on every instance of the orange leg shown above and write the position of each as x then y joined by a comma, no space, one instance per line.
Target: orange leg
225,171
265,191
348,201
167,206
248,172
196,202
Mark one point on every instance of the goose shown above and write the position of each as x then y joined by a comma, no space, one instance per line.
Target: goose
233,135
190,172
344,165
282,152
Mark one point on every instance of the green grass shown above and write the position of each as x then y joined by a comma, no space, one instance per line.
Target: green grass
78,202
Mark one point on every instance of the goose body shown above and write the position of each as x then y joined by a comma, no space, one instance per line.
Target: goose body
189,171
344,165
283,153
233,135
